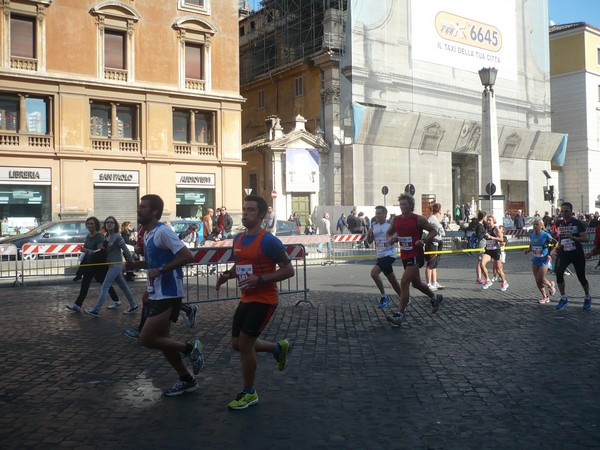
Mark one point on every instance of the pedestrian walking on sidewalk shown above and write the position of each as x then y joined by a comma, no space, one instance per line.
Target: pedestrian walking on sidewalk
257,254
93,265
115,248
539,246
571,234
407,229
164,254
386,255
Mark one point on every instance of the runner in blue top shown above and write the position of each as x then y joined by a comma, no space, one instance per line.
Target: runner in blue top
540,241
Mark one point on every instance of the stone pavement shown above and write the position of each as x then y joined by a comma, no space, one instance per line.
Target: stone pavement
490,370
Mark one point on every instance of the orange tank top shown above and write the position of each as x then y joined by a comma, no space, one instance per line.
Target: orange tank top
250,260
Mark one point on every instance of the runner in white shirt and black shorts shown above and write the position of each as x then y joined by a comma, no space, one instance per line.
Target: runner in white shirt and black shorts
386,254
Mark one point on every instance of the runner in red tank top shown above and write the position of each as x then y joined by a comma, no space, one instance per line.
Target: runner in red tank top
407,229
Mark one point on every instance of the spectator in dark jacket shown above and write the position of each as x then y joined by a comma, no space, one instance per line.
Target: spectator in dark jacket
225,223
519,220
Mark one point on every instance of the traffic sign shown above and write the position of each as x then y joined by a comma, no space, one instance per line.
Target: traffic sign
274,194
490,188
410,189
385,190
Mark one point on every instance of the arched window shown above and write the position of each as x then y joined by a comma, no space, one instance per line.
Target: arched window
194,53
116,36
23,34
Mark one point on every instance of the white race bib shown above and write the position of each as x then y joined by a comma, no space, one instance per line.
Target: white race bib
537,250
244,271
380,243
568,245
406,243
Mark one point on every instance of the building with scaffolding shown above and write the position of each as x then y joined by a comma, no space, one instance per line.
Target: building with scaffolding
393,88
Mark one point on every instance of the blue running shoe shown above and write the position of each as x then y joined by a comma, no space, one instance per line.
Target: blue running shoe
562,303
487,284
385,300
587,302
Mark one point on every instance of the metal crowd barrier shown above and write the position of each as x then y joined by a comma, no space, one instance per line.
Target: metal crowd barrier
8,262
44,260
201,276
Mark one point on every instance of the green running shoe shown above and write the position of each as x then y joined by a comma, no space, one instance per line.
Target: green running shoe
243,400
286,348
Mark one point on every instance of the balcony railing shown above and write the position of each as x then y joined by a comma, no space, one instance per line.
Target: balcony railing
208,151
23,63
196,85
26,140
115,74
116,145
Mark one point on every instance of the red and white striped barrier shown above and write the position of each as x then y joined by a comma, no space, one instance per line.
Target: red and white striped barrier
287,240
8,250
517,232
225,255
50,249
349,237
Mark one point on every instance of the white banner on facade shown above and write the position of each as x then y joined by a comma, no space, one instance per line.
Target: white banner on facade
466,34
302,170
25,175
116,177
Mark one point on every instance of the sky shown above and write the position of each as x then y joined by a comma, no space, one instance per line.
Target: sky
569,11
559,11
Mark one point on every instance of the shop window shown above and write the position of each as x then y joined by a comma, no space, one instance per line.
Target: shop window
23,29
116,28
193,127
114,122
194,53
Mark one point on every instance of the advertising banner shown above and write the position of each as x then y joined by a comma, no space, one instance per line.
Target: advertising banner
466,34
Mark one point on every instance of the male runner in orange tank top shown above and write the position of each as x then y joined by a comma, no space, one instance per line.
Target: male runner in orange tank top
257,253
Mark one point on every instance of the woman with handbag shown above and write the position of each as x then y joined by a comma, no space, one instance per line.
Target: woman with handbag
115,248
92,265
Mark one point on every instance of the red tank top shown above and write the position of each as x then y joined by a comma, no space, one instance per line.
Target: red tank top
408,233
250,260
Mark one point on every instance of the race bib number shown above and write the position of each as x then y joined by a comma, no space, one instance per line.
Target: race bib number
490,244
244,271
380,243
537,250
568,245
406,243
571,229
150,285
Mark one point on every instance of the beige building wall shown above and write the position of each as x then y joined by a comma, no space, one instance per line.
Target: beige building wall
69,74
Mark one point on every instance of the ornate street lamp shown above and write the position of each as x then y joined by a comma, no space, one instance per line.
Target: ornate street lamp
487,75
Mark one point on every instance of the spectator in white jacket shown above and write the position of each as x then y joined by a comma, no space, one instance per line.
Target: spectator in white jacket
324,227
